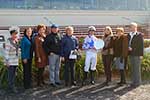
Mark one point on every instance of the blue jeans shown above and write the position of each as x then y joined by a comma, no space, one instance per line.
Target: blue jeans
11,76
54,68
120,65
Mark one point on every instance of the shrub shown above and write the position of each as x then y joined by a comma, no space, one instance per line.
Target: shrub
145,69
146,66
3,74
146,43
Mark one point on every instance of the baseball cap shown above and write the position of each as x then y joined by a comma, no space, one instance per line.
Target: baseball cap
54,26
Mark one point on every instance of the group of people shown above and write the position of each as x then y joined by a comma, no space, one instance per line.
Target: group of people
118,48
53,48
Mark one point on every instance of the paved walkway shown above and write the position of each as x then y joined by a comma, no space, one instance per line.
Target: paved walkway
88,92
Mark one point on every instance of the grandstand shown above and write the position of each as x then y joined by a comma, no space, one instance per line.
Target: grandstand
76,4
78,13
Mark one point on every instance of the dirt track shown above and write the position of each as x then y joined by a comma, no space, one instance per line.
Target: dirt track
88,92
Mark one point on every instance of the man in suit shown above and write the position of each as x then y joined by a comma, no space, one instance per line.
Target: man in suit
136,46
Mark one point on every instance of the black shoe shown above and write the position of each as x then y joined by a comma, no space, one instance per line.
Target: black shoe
134,85
106,83
58,83
53,85
66,84
93,82
121,83
43,83
74,83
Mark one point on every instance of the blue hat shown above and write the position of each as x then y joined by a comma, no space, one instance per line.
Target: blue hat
54,26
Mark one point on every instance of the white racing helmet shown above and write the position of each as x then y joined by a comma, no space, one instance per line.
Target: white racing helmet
91,28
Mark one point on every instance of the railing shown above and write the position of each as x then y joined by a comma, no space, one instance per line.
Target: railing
82,30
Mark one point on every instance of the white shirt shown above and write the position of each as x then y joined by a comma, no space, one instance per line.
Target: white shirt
132,35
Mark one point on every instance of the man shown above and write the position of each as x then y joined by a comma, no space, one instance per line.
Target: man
136,46
91,54
52,46
11,48
69,46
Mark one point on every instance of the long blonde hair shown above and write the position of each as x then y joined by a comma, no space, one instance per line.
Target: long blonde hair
110,30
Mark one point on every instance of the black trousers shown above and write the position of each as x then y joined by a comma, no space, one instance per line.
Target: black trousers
27,73
69,68
40,77
107,62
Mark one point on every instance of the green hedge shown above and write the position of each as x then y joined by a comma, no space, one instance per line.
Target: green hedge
146,43
79,70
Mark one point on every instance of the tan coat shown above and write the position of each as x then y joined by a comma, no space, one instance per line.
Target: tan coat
40,53
108,47
121,46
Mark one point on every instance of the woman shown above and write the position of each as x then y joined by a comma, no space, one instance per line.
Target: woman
11,49
41,58
69,46
121,52
26,55
107,53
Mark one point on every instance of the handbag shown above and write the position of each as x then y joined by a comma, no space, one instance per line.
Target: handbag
74,54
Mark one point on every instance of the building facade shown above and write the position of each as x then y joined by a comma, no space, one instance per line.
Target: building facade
76,4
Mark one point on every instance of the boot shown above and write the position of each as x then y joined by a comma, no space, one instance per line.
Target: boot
39,82
108,80
42,80
122,78
84,78
92,77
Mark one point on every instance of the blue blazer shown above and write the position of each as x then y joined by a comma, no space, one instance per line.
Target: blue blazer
68,43
26,48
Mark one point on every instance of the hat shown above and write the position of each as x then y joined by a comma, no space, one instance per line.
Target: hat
13,31
91,28
54,26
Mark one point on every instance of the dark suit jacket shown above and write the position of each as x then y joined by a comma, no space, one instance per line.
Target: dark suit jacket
68,43
137,44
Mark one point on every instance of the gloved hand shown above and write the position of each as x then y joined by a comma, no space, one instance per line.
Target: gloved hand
104,48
